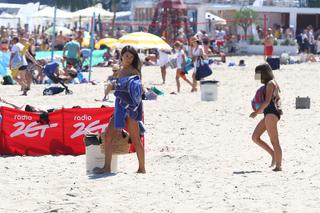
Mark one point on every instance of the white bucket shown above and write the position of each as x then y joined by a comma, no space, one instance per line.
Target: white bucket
95,157
209,90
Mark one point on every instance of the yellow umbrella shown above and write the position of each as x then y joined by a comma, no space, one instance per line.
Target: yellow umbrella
109,42
141,40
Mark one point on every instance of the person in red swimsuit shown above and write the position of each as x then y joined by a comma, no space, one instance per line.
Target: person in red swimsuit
268,44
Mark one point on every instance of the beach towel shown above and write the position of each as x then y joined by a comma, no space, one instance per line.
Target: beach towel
128,92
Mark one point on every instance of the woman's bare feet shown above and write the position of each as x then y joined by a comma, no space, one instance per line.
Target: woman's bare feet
102,170
273,162
277,169
141,171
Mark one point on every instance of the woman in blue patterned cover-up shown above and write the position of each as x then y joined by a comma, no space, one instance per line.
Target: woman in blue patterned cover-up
131,66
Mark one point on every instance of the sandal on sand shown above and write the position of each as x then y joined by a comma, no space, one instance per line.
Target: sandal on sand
99,171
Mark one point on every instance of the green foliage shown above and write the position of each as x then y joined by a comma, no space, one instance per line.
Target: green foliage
314,3
75,4
288,42
244,18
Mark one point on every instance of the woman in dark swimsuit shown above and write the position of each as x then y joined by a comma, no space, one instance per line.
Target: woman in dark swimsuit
272,113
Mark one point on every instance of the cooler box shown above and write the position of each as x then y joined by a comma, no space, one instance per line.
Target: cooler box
274,62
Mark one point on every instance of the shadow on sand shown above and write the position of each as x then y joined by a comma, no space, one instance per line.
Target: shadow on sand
245,172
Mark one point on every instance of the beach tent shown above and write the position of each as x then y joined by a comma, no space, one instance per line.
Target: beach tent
88,12
48,12
45,16
142,40
6,18
215,19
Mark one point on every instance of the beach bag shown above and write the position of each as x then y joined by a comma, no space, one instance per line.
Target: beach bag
120,143
53,90
203,70
259,98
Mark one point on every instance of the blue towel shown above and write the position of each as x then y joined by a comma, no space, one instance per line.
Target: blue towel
128,92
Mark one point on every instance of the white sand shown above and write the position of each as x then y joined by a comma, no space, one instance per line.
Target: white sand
199,155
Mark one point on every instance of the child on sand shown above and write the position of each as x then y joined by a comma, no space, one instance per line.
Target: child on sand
181,61
272,113
131,67
110,85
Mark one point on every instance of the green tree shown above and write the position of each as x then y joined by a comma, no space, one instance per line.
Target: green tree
114,4
244,18
75,4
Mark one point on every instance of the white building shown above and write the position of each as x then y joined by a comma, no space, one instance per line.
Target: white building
298,13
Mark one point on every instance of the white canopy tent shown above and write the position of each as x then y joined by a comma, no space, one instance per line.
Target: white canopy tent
46,15
48,12
8,19
88,12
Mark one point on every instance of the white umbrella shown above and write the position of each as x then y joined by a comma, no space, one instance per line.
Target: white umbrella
64,30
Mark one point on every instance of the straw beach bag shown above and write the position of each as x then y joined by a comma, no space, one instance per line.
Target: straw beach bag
120,143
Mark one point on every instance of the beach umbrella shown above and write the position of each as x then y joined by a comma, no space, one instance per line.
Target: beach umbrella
65,31
109,42
142,40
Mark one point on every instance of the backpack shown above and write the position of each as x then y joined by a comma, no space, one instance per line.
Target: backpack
53,90
259,98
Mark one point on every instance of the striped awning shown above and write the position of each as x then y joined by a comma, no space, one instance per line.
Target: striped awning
142,40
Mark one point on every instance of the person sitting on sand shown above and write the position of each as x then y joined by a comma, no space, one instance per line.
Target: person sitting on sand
67,74
111,80
272,113
131,69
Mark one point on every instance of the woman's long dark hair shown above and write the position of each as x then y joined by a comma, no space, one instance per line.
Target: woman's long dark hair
136,63
266,73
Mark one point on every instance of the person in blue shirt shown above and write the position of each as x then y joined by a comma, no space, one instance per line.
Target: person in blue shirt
73,52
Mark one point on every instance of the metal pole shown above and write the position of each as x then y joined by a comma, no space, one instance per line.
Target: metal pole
92,43
54,32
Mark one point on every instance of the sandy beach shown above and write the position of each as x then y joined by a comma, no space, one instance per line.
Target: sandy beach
199,155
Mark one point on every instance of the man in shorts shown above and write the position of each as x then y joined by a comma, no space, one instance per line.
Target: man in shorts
19,50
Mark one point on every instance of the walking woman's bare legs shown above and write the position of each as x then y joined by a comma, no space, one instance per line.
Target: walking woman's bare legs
163,73
271,122
133,129
178,81
194,82
256,137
